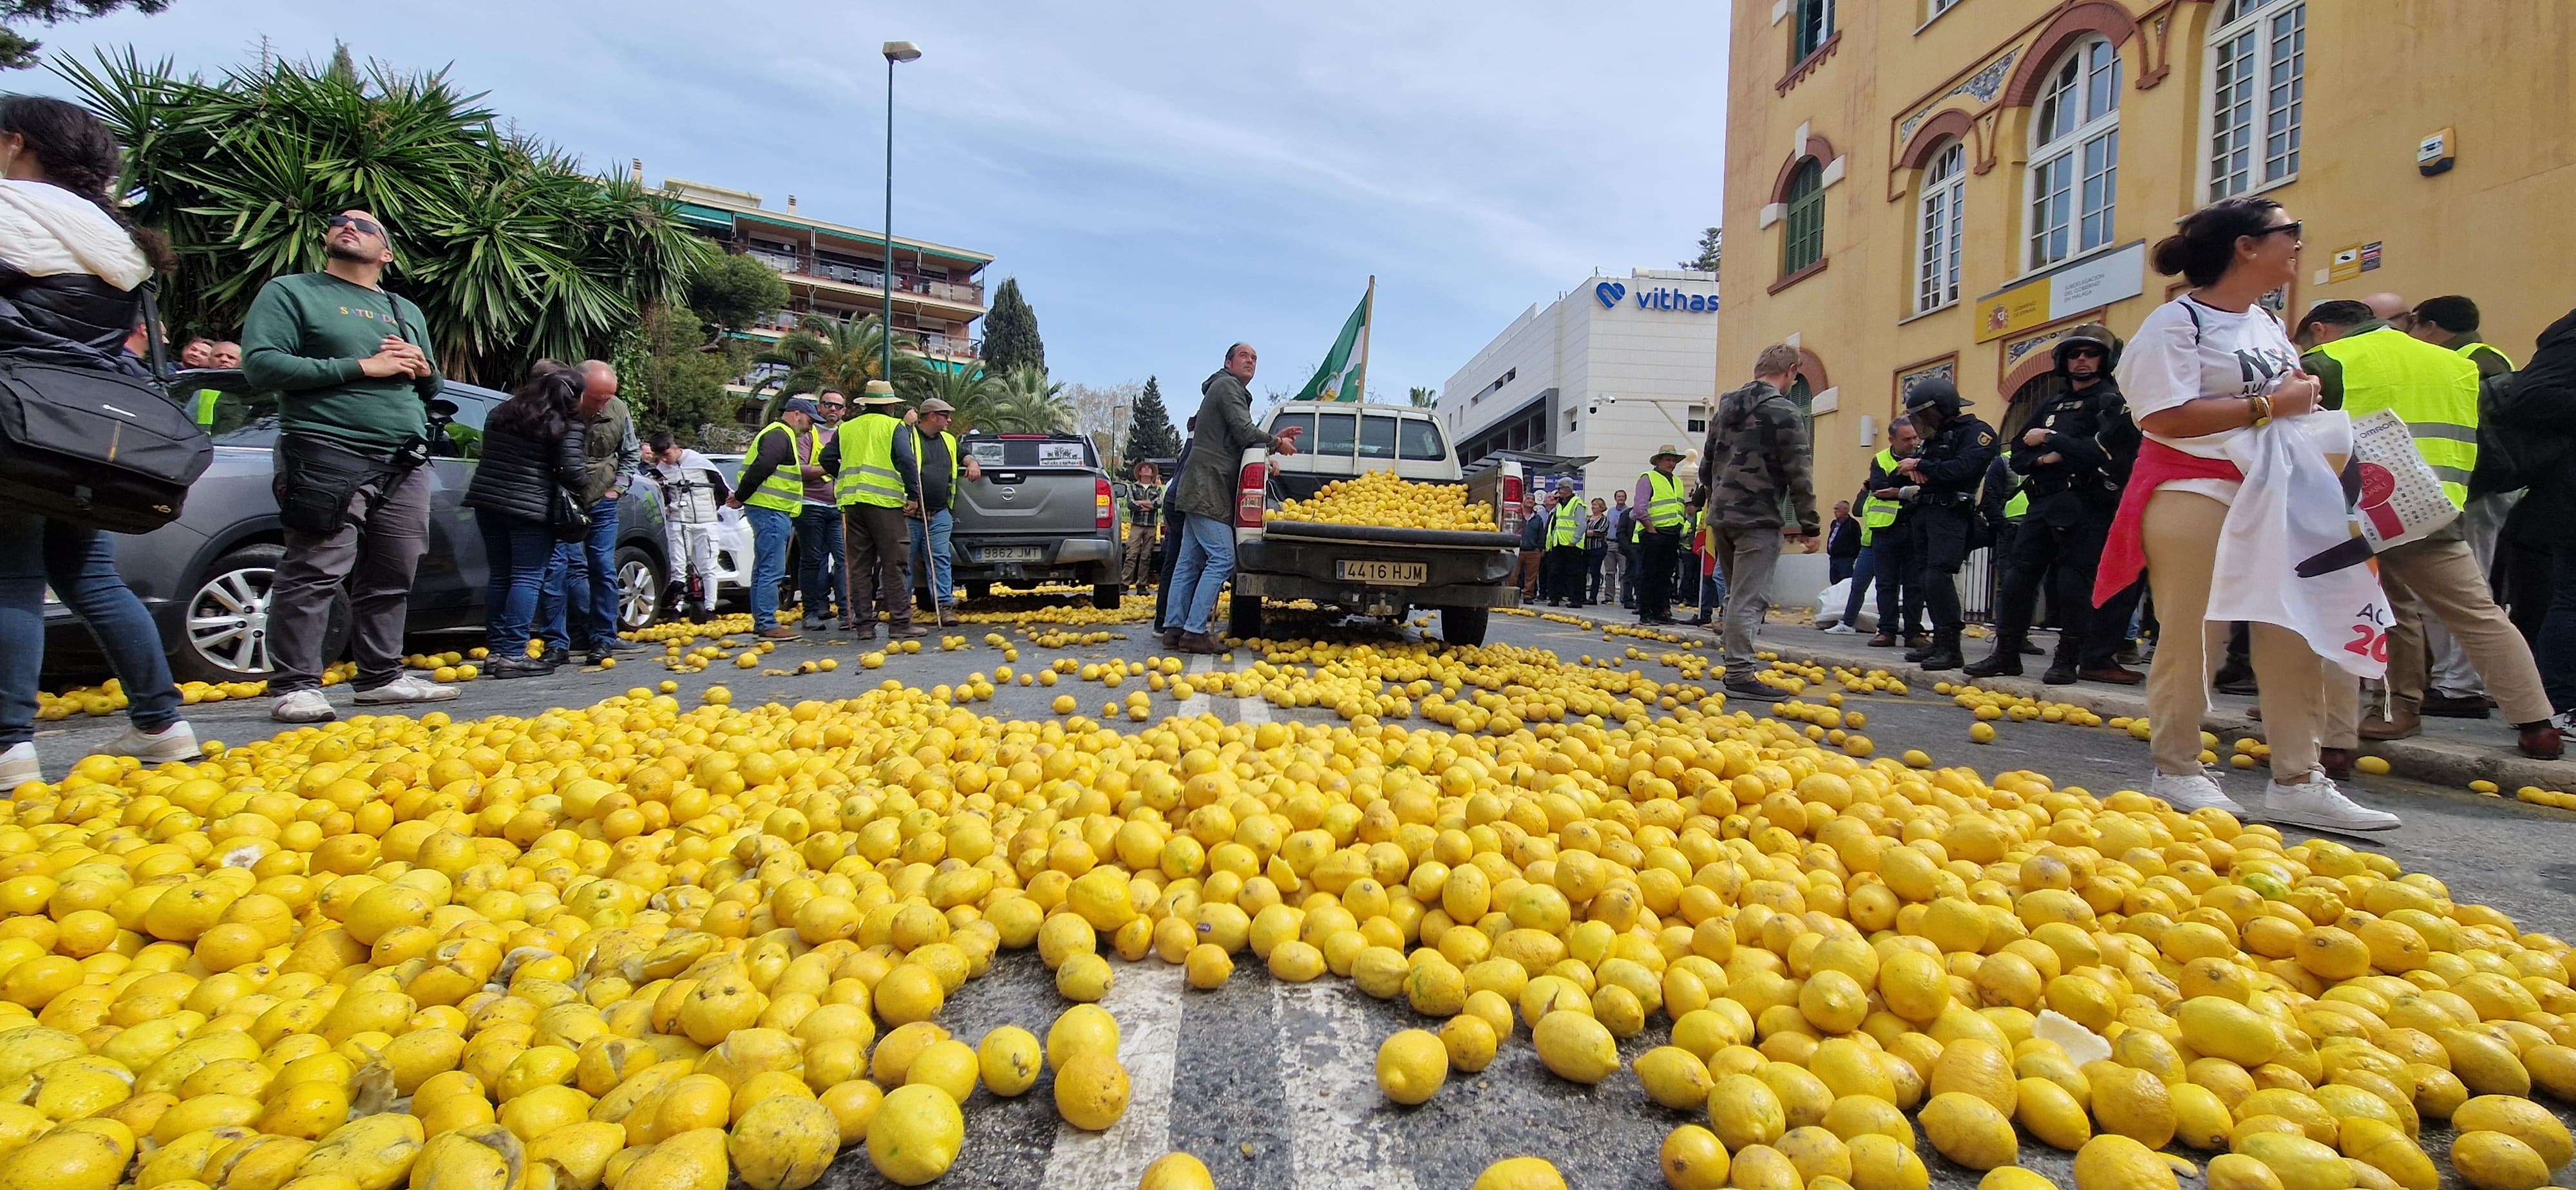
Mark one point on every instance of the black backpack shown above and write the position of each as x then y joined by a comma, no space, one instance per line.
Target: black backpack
96,447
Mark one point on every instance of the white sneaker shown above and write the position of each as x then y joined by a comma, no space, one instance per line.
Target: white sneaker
18,766
1841,629
2192,791
175,742
2318,805
407,688
303,706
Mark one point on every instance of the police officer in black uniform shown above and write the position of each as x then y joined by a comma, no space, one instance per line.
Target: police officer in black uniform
2075,455
1943,479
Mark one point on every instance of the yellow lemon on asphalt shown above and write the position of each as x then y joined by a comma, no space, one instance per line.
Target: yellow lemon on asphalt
915,1134
1968,1130
1674,1077
1091,1090
1011,1060
2115,1162
1411,1066
1693,1159
1744,1111
1520,1173
2236,1171
2014,1177
1882,1162
1575,1047
1081,1027
1470,1042
2520,1119
1176,1171
2495,1161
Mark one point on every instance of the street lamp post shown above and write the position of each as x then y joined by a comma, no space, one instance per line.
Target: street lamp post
895,51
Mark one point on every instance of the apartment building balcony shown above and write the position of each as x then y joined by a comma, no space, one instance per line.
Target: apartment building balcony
963,298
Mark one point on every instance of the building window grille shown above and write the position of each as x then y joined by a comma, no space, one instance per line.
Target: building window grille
1814,25
2258,90
1804,242
1944,196
2075,155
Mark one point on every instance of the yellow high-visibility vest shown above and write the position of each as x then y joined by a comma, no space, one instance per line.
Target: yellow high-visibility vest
1563,530
1876,513
2017,506
2434,388
867,463
784,490
1664,502
203,406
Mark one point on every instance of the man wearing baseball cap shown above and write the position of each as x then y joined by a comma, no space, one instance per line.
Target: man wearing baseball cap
772,487
926,455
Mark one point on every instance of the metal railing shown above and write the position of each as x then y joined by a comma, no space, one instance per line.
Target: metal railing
967,292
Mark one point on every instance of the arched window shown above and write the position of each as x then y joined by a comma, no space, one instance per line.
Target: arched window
1938,214
2075,154
2258,54
1803,239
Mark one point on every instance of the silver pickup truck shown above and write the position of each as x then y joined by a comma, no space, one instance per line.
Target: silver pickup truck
1045,512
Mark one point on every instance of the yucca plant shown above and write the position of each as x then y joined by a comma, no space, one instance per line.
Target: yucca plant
511,250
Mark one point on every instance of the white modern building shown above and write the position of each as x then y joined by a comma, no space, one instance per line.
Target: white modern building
1611,369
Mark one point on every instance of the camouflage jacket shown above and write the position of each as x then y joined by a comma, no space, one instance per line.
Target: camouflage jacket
1753,470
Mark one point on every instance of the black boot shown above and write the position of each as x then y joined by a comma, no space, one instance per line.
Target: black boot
1945,651
1921,651
2061,669
2004,662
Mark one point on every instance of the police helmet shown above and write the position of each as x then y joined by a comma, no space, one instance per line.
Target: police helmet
1932,391
2091,334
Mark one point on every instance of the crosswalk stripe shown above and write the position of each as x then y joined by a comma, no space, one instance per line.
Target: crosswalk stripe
1328,1061
1199,703
1147,1002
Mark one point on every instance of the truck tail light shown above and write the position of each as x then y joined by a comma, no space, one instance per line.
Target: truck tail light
1104,505
1247,495
1511,518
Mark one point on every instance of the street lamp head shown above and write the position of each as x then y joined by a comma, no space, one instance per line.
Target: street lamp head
901,51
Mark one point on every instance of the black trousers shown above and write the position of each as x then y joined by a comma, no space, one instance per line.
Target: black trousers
2061,559
1563,574
1899,581
1657,553
2106,629
1171,555
1941,538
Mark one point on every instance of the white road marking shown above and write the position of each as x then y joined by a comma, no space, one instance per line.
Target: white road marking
1328,1068
1198,703
1147,1002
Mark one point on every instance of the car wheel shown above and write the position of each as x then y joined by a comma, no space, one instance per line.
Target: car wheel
226,625
979,590
1243,616
1464,625
1105,596
639,589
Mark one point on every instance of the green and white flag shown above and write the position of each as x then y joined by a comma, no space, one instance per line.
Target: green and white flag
1345,370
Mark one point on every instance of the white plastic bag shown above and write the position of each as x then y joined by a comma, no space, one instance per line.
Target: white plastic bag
2401,498
2291,552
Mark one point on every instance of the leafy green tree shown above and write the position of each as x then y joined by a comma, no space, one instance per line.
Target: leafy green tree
1011,332
735,291
1149,426
1710,244
1422,398
18,52
512,251
676,377
1027,403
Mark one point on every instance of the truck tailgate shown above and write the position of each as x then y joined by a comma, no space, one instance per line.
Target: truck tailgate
1412,539
1026,501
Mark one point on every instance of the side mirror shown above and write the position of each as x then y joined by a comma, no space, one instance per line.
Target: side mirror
441,407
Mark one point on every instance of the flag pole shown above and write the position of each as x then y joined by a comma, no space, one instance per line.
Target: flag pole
1368,314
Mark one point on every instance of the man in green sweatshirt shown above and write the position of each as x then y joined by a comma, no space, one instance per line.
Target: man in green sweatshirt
350,362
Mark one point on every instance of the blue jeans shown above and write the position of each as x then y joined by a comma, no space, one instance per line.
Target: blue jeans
1206,561
1863,574
518,552
1712,592
2557,652
818,547
939,571
578,609
80,565
770,529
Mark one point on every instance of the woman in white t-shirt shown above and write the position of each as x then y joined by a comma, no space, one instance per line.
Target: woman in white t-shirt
2203,368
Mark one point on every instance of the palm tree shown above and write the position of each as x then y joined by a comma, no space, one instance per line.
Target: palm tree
1026,402
823,353
966,387
511,250
1423,398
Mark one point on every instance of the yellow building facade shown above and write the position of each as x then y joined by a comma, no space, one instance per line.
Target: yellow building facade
1943,187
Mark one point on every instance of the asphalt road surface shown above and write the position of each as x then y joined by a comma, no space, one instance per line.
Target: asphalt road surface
1272,1084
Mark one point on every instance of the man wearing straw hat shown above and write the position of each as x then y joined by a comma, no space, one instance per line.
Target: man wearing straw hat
1661,514
875,497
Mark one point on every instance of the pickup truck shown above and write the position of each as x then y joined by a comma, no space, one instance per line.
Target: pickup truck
1044,512
1372,570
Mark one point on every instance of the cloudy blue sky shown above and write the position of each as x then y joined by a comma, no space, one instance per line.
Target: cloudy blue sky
1163,178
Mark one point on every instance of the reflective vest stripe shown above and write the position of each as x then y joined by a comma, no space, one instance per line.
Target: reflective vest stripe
784,490
2434,389
1664,503
205,406
867,463
1563,530
2018,505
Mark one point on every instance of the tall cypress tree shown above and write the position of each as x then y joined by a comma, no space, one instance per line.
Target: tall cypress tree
1011,332
1149,427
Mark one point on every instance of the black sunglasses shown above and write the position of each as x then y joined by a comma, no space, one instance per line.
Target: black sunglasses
2086,352
368,226
2291,227
834,405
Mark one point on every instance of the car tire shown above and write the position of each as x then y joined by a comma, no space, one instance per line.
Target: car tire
1243,616
1464,625
1105,596
979,590
640,589
224,626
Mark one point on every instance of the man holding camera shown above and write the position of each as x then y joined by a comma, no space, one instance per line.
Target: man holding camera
355,379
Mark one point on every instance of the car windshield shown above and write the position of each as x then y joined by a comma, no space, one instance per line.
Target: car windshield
259,431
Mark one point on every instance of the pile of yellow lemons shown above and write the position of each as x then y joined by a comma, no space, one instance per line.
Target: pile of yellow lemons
1378,498
649,947
109,698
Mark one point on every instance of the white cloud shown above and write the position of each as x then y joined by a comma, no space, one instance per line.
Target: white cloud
1163,178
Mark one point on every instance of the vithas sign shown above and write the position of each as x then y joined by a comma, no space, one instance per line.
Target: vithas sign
1611,293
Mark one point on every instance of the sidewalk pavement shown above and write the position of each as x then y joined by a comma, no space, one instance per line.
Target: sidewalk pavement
2450,752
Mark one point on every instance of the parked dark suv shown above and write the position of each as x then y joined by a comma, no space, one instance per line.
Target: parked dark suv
205,576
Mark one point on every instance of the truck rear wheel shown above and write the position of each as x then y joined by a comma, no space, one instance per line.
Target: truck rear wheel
979,591
1464,625
1243,616
1105,596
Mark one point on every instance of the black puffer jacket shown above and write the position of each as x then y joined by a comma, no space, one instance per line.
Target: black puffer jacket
519,473
74,320
2537,406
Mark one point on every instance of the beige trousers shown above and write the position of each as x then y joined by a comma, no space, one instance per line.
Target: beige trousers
2181,532
2441,578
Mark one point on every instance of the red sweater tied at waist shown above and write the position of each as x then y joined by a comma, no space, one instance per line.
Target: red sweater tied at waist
2124,554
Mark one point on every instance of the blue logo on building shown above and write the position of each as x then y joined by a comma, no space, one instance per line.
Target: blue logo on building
1610,292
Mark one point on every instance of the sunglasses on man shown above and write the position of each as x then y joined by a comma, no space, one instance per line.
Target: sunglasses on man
369,226
834,406
2086,353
